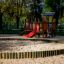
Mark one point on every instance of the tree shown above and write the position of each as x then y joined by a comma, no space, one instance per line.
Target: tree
17,10
55,6
62,7
36,9
14,9
2,9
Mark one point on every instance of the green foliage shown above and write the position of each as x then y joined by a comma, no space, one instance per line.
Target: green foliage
14,8
62,20
47,9
50,2
62,4
8,22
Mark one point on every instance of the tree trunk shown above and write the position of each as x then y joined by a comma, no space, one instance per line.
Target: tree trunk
62,11
1,20
17,22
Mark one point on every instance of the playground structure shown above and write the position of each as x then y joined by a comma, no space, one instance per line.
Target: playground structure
46,28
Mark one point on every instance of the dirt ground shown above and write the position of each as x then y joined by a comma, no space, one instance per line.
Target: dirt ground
47,60
24,46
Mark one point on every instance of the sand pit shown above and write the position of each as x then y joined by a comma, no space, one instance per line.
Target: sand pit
31,46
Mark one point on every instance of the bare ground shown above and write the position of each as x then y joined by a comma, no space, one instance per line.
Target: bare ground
31,46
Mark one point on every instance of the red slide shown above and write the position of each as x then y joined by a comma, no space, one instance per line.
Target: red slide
33,33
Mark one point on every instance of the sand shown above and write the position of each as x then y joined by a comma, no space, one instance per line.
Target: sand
33,46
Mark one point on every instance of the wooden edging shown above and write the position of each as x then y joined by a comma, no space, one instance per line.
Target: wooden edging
36,54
